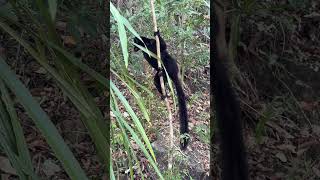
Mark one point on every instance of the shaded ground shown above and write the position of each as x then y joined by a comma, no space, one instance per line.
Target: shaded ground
60,110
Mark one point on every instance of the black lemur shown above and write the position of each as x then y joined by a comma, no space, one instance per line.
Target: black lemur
234,160
172,69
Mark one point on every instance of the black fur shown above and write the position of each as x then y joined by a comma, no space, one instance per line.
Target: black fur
234,161
171,66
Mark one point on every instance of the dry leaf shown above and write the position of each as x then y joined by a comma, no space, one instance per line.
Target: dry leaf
307,106
280,130
68,40
301,151
50,168
41,70
316,129
281,156
5,177
6,167
316,171
289,147
61,26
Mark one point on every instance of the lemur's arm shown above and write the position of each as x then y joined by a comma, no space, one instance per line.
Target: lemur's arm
163,45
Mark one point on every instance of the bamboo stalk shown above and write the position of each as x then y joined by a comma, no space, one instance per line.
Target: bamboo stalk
170,118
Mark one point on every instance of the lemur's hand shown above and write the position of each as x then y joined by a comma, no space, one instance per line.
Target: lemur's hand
157,33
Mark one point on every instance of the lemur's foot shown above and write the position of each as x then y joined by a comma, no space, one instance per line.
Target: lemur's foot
164,96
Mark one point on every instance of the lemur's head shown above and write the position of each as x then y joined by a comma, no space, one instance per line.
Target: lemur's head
149,43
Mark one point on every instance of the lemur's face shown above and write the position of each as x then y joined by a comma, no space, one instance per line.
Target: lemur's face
150,43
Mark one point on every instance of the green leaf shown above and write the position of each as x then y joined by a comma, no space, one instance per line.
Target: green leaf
52,8
138,141
22,148
72,26
20,167
127,143
124,43
112,176
122,33
134,117
139,101
6,12
93,118
42,121
101,79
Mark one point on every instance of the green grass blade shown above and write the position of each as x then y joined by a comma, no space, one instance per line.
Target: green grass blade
21,144
118,17
43,122
139,101
138,141
53,8
92,118
16,163
134,118
127,143
112,176
67,86
81,65
6,127
124,43
122,33
135,82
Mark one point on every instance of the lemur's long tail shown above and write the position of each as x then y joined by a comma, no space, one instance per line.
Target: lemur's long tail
183,113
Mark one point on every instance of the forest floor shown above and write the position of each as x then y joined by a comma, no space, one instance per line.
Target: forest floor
60,110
